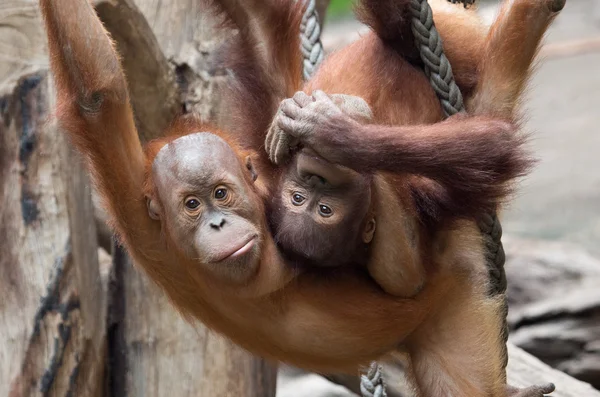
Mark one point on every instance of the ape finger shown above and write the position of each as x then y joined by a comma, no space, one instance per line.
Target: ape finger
276,134
291,109
302,98
272,134
283,148
293,127
322,96
531,391
546,388
269,141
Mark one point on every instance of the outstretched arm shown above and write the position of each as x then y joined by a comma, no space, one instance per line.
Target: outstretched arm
93,109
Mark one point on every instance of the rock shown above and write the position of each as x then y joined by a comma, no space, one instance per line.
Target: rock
554,305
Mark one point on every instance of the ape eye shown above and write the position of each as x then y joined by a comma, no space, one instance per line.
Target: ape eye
297,199
325,211
192,203
220,193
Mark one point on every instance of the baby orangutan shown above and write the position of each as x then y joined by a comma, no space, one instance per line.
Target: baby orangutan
439,180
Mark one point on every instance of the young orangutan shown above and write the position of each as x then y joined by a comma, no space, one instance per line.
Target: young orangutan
203,186
394,143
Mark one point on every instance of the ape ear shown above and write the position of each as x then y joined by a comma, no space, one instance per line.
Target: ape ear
153,208
369,231
250,168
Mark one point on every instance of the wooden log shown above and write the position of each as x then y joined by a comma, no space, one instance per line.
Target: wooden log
555,305
52,308
524,370
151,80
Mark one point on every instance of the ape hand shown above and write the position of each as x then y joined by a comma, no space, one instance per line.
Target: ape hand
279,144
531,391
319,122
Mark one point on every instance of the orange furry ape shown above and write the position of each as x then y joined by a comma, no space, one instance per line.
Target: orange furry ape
242,288
265,306
493,82
438,180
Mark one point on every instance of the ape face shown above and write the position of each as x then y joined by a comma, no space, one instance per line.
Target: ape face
320,211
207,206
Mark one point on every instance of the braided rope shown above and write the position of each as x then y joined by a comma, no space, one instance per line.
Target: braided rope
310,37
437,68
372,384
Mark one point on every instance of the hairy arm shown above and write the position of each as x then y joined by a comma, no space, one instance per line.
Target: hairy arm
265,61
464,159
511,46
93,109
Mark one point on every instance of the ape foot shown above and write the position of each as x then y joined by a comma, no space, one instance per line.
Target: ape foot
556,5
531,391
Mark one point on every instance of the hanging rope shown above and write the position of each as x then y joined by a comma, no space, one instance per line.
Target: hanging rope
371,384
310,37
437,68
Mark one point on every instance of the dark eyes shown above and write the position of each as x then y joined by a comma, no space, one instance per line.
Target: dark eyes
192,203
325,210
297,199
220,193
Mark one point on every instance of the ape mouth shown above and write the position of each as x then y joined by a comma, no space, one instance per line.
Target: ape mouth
240,249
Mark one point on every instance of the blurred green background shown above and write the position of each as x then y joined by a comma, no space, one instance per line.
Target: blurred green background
339,9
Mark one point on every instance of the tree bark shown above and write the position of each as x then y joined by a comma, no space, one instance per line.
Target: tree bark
52,307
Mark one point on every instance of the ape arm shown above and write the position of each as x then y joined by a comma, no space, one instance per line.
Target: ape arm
93,108
466,159
510,49
266,62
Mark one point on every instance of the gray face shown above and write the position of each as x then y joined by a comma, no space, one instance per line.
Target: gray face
209,210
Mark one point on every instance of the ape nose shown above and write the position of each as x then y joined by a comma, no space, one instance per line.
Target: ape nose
217,222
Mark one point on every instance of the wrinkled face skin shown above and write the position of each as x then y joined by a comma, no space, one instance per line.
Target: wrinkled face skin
319,216
209,211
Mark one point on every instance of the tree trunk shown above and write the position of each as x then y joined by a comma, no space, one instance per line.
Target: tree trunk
52,308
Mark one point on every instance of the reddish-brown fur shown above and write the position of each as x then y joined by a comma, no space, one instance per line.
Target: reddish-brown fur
319,323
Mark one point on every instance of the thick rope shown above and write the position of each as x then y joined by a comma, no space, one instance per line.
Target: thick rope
437,68
371,384
310,37
436,65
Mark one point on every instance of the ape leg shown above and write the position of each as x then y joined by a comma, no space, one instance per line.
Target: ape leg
511,46
457,353
93,109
